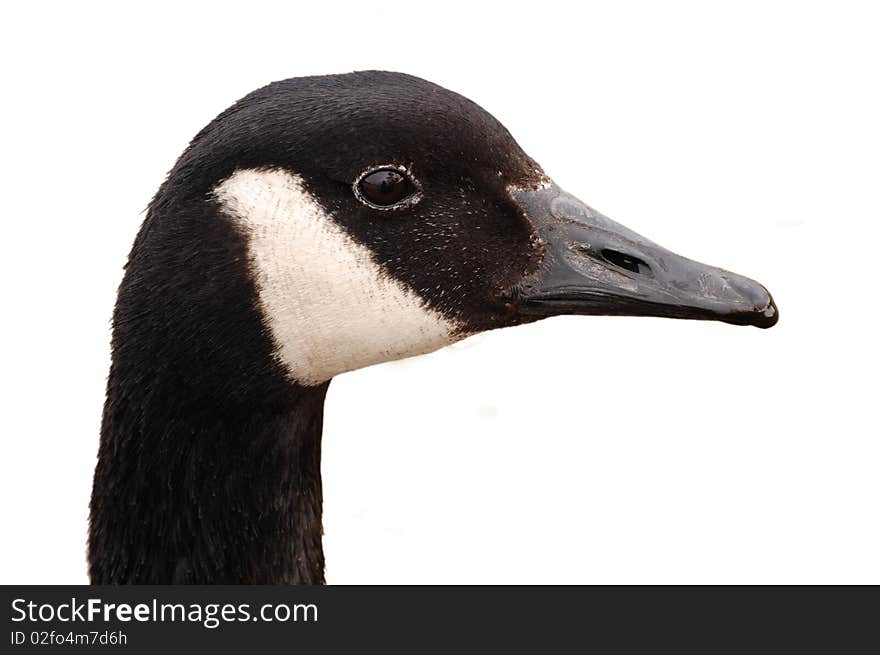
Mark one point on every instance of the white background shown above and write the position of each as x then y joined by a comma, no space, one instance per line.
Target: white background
588,450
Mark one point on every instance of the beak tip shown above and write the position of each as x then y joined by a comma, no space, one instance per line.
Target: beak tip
770,315
764,313
760,318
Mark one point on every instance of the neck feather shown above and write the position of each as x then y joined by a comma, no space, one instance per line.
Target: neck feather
209,463
212,499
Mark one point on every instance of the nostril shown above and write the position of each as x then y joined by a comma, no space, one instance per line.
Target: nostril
628,262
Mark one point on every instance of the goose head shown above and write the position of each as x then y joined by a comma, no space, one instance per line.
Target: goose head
317,226
386,217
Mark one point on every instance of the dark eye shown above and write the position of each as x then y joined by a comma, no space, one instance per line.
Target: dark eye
385,187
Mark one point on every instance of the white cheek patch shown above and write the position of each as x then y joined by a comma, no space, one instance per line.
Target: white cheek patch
330,306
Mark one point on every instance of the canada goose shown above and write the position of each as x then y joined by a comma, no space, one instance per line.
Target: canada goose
320,225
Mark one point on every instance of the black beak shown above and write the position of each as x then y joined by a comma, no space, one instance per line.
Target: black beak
593,265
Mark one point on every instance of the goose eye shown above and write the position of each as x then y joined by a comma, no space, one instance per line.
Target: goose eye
385,187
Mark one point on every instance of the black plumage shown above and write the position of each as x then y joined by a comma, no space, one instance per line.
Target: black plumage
209,462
